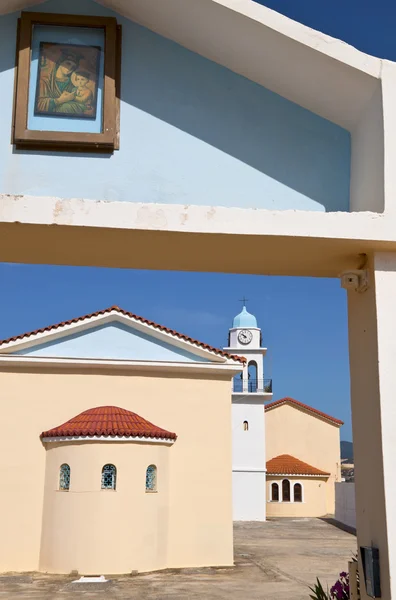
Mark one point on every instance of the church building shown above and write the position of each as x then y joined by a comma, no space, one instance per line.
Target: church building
116,448
111,418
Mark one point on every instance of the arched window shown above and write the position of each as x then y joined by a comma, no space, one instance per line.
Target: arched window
252,376
286,490
64,477
274,492
245,426
109,476
297,492
151,478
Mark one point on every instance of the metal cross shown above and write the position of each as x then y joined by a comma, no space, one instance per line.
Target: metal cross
244,300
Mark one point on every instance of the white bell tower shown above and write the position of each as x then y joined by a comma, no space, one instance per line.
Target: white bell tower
250,391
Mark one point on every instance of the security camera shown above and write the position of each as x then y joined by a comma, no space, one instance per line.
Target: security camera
354,280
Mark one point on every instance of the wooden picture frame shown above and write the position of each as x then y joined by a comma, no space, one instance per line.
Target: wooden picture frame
94,104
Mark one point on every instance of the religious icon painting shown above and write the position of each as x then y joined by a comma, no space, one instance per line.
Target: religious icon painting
67,83
67,80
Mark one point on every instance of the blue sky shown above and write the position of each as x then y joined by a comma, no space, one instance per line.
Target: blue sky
304,320
366,24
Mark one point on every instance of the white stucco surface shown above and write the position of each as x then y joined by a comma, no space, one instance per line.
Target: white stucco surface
248,462
345,510
248,496
248,446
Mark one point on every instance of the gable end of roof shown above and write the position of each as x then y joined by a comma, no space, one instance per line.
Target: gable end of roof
305,407
125,313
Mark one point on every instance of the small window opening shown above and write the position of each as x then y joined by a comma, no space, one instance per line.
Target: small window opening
64,477
286,490
109,476
274,492
245,426
151,478
297,492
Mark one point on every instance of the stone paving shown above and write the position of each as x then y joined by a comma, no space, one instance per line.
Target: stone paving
276,560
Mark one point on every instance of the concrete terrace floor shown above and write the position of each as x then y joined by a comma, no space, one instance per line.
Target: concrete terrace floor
276,560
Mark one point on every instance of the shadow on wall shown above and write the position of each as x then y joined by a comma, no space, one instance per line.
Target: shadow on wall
193,132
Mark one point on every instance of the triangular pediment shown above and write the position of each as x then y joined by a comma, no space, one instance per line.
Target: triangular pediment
113,334
111,341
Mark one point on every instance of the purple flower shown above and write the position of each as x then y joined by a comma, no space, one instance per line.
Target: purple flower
340,590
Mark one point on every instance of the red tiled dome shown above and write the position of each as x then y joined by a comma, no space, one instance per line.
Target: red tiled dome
288,465
108,421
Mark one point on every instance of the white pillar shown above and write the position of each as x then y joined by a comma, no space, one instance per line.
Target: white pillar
372,346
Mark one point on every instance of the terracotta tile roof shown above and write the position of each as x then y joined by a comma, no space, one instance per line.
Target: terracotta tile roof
288,465
108,420
121,311
298,404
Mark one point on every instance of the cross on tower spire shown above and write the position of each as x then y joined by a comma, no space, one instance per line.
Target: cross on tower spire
244,300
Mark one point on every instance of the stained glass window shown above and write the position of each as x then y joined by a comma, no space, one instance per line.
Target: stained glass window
64,477
109,476
151,478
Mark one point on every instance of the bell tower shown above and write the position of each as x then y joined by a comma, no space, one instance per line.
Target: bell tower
250,391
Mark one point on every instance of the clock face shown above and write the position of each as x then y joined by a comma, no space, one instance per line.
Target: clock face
245,336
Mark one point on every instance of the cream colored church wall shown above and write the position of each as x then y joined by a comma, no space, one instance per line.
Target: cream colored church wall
314,502
105,531
200,498
310,439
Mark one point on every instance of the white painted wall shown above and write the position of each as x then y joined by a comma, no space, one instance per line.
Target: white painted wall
367,158
248,462
345,511
248,446
248,489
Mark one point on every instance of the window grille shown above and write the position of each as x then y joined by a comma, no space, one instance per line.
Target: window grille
151,478
64,477
109,475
